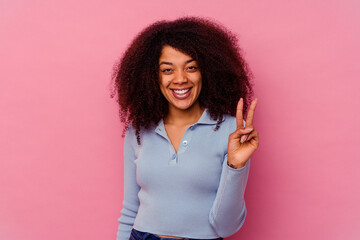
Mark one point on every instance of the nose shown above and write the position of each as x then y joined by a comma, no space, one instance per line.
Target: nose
180,77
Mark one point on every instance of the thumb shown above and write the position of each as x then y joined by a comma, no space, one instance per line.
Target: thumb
239,132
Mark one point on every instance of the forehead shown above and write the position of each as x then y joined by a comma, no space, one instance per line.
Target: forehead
169,53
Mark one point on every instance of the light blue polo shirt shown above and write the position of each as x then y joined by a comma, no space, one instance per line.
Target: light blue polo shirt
192,193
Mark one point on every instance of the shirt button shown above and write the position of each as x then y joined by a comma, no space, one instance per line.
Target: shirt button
185,143
173,156
192,128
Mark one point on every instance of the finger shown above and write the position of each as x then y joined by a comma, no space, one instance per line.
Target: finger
240,132
250,115
239,114
243,138
254,139
252,135
248,137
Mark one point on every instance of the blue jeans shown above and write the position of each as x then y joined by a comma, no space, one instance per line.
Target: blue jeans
138,235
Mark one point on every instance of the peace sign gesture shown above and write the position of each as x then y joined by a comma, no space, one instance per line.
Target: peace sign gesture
245,140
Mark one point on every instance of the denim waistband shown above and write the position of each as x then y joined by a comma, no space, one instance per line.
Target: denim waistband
139,235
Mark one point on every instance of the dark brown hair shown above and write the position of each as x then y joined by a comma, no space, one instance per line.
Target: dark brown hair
225,75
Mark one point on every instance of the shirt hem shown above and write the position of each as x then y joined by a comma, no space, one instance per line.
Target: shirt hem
137,227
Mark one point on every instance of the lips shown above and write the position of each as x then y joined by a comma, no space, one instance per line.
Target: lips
181,93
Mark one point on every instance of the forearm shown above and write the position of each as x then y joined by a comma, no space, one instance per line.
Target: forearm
126,221
131,189
228,211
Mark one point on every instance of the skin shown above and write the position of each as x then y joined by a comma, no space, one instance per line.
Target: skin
180,71
245,140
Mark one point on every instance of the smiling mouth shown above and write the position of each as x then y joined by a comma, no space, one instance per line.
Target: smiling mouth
181,93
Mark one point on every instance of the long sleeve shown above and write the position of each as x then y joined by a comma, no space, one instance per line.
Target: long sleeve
131,189
228,212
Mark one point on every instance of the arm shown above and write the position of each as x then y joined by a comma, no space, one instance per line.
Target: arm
228,212
131,188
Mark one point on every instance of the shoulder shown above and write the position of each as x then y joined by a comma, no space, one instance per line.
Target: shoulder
130,137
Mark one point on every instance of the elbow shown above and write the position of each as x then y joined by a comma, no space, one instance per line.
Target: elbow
225,226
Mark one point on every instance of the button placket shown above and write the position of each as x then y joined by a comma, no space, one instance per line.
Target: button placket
185,140
173,155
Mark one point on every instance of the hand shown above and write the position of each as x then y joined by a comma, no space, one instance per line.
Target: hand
245,140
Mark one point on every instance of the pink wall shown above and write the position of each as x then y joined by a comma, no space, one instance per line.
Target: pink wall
60,144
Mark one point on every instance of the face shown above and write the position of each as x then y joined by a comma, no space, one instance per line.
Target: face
179,79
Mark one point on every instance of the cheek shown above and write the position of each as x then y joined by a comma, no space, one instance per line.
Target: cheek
162,85
198,79
163,91
199,84
164,82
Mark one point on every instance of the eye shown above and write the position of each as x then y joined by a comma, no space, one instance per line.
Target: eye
192,69
166,70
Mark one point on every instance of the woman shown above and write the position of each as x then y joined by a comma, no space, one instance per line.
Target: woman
183,88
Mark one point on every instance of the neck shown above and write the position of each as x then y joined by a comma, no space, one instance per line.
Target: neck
184,117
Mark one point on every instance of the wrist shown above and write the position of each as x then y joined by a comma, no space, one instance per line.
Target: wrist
235,166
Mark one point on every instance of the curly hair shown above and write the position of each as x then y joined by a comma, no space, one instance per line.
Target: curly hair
225,75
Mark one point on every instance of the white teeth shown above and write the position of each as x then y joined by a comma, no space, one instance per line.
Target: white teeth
183,91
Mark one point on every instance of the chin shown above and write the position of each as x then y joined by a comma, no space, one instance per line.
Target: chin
184,107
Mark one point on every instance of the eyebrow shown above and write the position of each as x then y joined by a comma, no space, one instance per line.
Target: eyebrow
169,63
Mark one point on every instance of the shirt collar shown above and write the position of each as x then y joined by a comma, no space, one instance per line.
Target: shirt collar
204,119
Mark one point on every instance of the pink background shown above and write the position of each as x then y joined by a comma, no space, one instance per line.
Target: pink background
60,135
